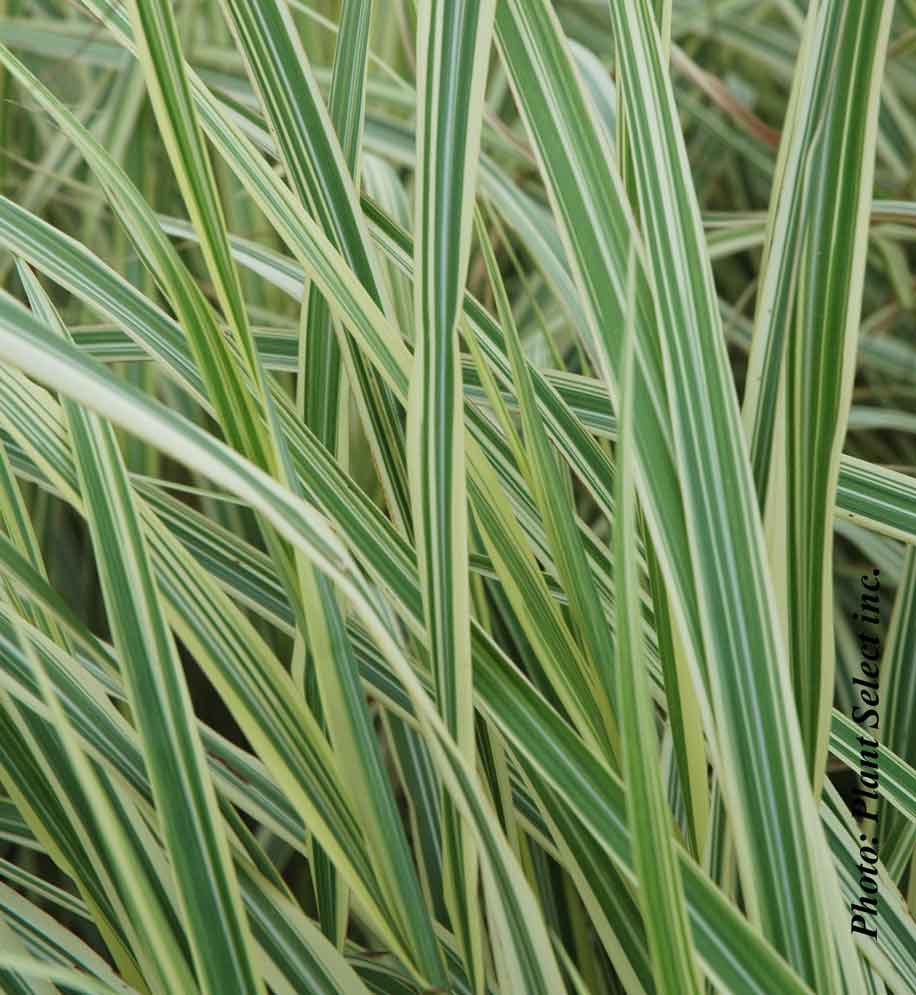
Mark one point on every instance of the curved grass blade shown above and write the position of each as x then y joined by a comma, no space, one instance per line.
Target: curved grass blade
186,802
23,341
823,317
254,685
351,723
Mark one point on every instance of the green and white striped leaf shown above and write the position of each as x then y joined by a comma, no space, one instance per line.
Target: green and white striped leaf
186,803
660,887
452,69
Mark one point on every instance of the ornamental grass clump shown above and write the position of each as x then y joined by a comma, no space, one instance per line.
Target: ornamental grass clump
457,497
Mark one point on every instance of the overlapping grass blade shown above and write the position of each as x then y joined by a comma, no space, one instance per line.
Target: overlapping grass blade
352,724
721,536
413,687
523,937
319,170
279,67
815,303
160,702
253,683
452,68
660,887
552,495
